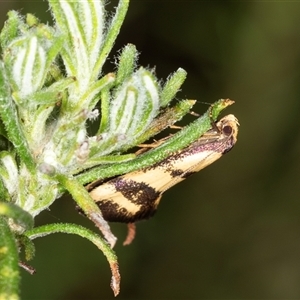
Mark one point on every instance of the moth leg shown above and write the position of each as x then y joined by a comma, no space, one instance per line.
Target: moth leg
27,268
146,147
175,127
131,231
194,114
214,126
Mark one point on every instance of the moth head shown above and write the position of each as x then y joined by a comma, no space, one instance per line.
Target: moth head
229,127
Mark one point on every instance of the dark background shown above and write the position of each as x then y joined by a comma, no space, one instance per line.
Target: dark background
232,231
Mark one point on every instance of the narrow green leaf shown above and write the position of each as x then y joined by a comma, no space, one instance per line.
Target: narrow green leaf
9,268
87,204
32,20
10,119
113,31
87,234
172,86
11,28
20,217
127,63
82,24
109,159
104,103
28,246
166,118
50,95
133,108
90,96
147,102
5,196
9,174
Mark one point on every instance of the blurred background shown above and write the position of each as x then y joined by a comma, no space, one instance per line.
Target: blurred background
233,230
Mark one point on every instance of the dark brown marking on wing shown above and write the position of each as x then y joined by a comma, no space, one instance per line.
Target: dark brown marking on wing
176,173
136,192
112,212
188,174
139,193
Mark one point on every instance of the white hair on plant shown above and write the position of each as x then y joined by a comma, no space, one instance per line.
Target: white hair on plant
93,13
27,78
82,61
18,66
12,178
152,89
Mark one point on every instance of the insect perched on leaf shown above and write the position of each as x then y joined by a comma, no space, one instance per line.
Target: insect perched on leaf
136,195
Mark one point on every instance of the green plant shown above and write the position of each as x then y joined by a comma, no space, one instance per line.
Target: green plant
52,88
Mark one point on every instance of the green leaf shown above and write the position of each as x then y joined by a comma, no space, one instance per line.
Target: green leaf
82,24
112,33
9,268
85,233
172,86
28,60
9,116
166,118
28,246
134,106
9,174
127,63
87,204
11,28
19,216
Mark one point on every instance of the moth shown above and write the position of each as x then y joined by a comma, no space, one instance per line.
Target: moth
136,195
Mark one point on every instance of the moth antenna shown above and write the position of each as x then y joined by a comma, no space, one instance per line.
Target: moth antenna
214,126
202,102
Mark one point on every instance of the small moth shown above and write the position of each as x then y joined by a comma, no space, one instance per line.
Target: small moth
136,195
